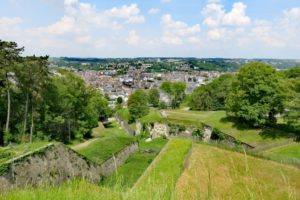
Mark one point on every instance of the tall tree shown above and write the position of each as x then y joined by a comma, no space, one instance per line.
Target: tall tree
256,95
137,105
213,95
175,91
9,55
153,97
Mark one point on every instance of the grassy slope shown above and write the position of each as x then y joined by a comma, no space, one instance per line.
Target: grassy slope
217,119
111,140
78,190
214,173
135,165
17,150
291,150
102,149
159,180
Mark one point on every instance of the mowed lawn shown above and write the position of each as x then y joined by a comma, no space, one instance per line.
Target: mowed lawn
127,174
217,119
158,182
214,173
291,151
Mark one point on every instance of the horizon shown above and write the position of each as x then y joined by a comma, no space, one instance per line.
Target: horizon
241,29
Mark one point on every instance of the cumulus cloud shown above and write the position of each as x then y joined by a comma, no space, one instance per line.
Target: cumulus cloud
215,15
176,31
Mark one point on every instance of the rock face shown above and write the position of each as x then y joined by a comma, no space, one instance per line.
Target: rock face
207,134
53,165
138,128
57,163
159,130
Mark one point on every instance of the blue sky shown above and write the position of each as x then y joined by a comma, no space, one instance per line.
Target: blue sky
125,28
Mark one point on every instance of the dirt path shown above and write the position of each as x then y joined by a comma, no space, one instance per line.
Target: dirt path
84,144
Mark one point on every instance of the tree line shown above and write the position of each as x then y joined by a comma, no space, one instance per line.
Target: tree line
255,95
38,104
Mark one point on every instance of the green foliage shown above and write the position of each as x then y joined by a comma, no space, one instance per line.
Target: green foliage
292,88
60,105
163,105
213,95
176,92
153,97
256,95
137,105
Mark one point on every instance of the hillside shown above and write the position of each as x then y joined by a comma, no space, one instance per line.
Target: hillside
214,173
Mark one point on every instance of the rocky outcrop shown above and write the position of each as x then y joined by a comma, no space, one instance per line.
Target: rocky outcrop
57,163
52,164
139,127
159,130
207,133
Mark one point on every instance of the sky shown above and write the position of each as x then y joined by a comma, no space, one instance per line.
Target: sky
154,28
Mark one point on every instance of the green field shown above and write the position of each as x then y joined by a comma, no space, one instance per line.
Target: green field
214,173
127,174
159,180
217,119
291,151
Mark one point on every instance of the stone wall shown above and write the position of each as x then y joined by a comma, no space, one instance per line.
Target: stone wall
57,163
110,165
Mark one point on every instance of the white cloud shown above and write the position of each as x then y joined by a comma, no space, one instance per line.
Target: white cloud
178,27
100,43
133,38
237,16
171,39
153,11
8,22
131,13
166,1
83,39
176,31
215,15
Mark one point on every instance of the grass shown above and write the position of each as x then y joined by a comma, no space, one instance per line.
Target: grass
159,180
79,190
102,149
214,173
290,150
127,174
12,151
217,119
153,115
112,130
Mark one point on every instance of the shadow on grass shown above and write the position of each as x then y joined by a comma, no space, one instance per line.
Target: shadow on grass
278,131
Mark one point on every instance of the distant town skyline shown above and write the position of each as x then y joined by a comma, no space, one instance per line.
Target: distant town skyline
156,28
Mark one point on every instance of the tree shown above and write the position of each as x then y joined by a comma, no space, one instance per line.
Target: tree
137,105
292,104
119,103
176,92
256,95
213,95
153,97
9,55
32,75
